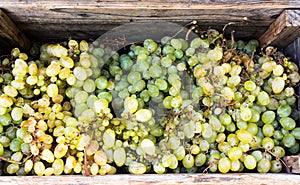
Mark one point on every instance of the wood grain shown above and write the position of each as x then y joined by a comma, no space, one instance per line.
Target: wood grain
203,179
284,30
94,16
10,33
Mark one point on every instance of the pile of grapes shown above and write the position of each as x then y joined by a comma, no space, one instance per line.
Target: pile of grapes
173,106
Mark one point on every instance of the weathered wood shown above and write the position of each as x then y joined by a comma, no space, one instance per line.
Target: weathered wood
293,162
293,51
207,179
284,30
10,33
67,17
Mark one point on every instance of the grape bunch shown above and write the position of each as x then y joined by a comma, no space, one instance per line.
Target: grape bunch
183,106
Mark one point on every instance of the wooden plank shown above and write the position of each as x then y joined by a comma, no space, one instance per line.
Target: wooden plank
204,179
86,14
10,33
293,162
284,30
293,51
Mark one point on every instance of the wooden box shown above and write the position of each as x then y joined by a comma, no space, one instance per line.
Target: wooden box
272,22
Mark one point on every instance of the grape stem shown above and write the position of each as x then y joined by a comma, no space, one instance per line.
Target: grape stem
87,172
277,158
8,160
210,165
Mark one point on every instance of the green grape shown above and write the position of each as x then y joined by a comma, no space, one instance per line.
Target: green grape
81,97
179,152
250,85
161,84
287,123
101,83
273,105
1,149
188,161
294,149
204,145
119,156
224,147
235,153
200,159
153,91
276,166
242,125
137,168
109,138
284,110
15,145
295,132
263,98
267,143
89,85
268,117
252,128
278,151
159,168
224,165
278,135
155,71
288,140
268,130
246,114
257,154
12,168
244,136
250,162
225,119
173,142
263,166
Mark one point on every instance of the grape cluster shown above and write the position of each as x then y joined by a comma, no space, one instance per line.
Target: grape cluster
170,106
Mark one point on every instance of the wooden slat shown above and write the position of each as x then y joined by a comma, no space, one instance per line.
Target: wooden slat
10,33
284,30
87,15
203,179
293,51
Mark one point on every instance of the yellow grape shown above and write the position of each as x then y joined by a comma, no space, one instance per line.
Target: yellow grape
52,90
66,62
100,157
47,155
92,148
28,165
53,69
94,169
5,101
58,166
60,150
39,168
49,171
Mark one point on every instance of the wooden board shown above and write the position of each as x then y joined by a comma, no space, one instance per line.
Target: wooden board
60,19
11,34
203,179
284,30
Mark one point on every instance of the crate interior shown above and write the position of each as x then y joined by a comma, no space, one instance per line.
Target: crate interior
48,21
